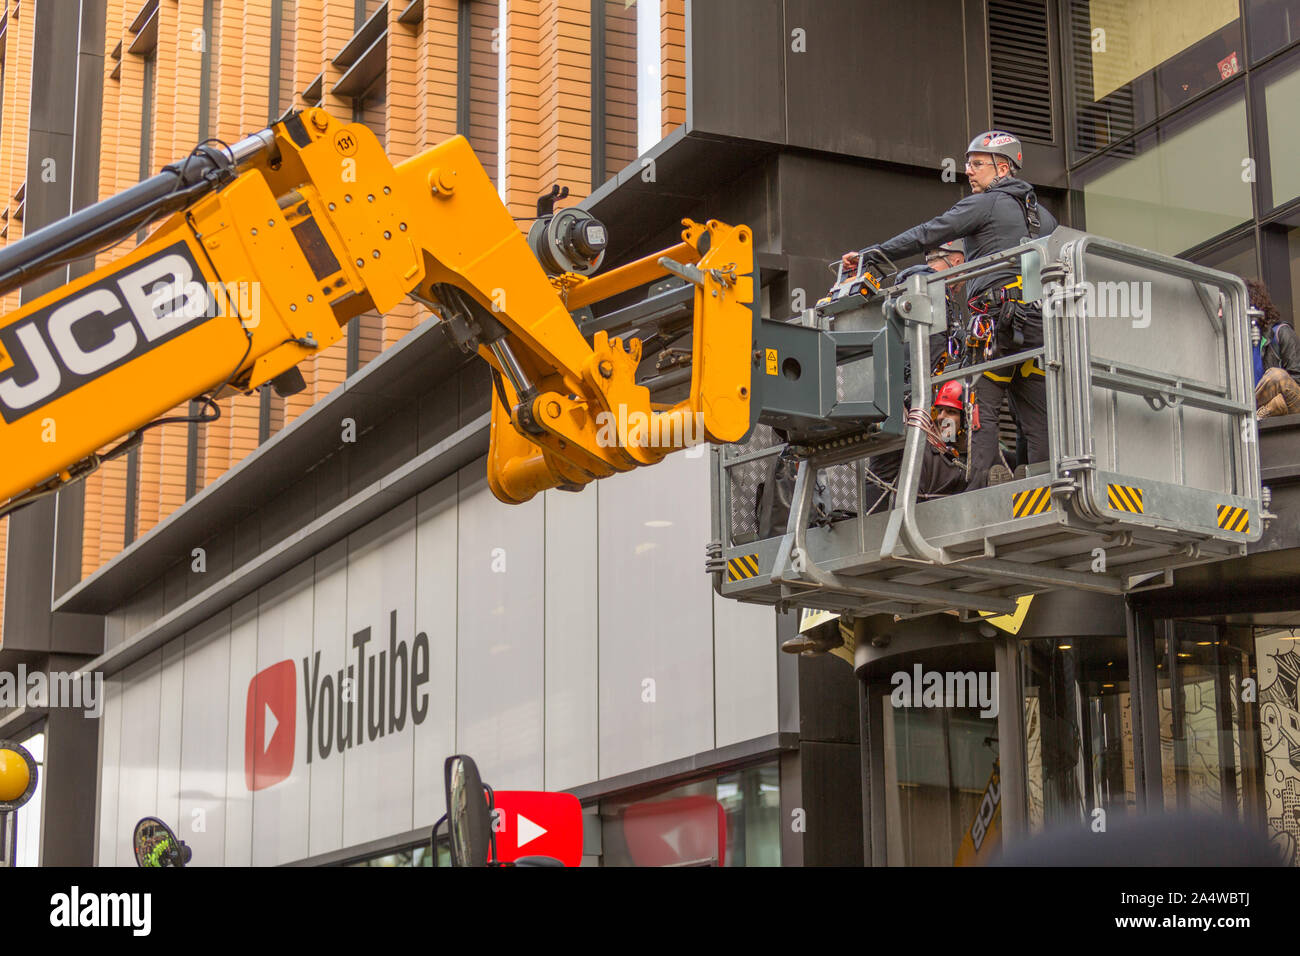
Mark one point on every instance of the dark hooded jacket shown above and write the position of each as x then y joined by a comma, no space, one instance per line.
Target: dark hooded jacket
988,222
939,474
1282,349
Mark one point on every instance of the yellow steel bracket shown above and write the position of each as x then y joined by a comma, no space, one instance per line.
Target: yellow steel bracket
609,423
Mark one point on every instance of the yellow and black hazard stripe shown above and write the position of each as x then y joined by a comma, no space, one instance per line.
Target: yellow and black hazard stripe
745,566
1035,501
1234,519
1125,498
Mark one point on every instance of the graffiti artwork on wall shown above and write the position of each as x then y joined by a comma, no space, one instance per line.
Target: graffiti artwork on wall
1279,725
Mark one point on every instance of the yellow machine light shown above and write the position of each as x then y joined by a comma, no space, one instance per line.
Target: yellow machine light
14,776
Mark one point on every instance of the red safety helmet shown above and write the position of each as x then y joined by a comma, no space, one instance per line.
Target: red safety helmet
949,396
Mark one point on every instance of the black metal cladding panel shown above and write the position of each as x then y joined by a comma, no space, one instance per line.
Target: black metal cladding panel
829,205
27,619
1020,68
736,79
52,106
878,80
690,175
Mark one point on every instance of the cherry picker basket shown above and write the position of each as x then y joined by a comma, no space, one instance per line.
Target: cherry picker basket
1153,461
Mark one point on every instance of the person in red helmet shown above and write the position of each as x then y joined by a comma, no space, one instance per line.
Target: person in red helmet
943,470
948,411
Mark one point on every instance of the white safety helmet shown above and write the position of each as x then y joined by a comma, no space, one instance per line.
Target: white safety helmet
998,143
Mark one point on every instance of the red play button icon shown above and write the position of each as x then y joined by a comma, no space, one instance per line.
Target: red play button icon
269,718
535,823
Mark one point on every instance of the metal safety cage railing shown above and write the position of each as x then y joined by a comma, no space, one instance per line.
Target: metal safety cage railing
1152,466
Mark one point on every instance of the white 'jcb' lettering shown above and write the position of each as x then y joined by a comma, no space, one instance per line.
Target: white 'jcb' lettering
81,362
47,378
141,304
157,313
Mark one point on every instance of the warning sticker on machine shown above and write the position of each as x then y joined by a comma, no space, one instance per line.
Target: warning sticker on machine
1125,498
743,567
771,361
1234,519
1035,501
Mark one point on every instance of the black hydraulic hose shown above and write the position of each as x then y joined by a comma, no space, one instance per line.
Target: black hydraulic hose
112,219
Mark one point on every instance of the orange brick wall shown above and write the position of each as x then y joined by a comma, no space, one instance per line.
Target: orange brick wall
13,132
547,87
672,63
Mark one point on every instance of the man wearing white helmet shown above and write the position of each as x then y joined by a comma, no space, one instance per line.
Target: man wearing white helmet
947,256
1000,213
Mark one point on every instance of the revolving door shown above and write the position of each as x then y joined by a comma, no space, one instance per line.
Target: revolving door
974,737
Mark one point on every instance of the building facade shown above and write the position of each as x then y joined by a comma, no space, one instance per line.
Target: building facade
573,643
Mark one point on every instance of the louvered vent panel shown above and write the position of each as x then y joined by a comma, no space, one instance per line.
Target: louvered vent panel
1020,69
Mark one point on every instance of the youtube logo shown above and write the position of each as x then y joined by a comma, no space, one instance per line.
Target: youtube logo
269,725
535,823
381,691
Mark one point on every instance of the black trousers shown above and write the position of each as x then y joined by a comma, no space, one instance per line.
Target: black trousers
1028,402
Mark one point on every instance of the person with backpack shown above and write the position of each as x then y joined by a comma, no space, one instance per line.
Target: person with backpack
1277,391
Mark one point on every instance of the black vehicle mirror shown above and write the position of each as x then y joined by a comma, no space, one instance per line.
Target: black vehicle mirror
468,813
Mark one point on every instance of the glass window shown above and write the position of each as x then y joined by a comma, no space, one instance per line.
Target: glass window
210,70
1281,96
283,85
1078,737
365,338
398,859
1176,186
146,119
942,798
1136,59
751,801
1237,257
620,85
626,68
941,771
648,108
1201,66
1206,754
1272,24
372,109
478,83
410,856
730,820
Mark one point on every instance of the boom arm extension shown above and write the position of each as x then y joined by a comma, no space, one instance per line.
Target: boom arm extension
312,227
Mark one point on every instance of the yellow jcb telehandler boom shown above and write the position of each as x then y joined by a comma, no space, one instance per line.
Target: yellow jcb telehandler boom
271,245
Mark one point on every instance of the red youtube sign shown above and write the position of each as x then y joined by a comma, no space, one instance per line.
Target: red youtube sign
269,724
535,823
